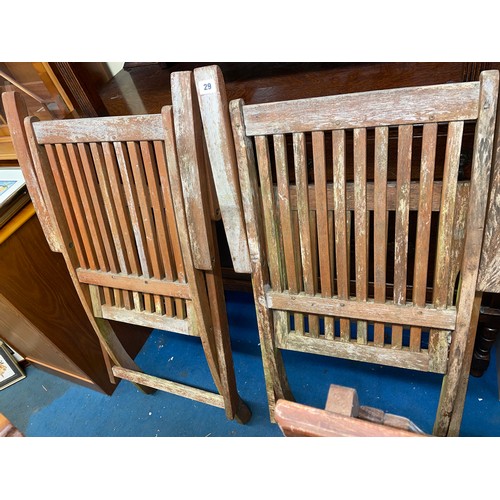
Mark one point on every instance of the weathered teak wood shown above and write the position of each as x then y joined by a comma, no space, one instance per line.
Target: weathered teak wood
411,313
380,226
14,101
117,190
191,160
342,417
489,271
220,149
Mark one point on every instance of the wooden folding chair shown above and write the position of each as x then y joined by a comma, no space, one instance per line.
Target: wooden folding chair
343,416
332,191
125,200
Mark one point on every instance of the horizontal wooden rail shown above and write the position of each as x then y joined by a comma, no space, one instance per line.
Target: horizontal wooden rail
147,319
168,386
414,196
434,103
104,129
367,353
389,313
134,283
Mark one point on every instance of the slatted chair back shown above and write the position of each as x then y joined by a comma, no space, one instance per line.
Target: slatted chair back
116,194
364,235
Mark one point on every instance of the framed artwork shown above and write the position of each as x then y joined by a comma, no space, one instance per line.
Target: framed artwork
10,371
11,181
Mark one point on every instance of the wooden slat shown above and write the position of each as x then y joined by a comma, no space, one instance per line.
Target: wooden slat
437,103
108,205
273,238
338,147
119,202
66,206
147,319
124,164
171,387
458,241
489,271
402,219
447,212
423,226
143,190
380,220
96,299
323,226
171,223
388,312
111,215
68,176
190,152
438,344
103,129
143,200
98,205
134,283
304,223
83,187
314,251
368,353
220,146
361,226
163,241
292,259
371,199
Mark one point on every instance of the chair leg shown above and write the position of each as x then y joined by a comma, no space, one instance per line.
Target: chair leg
235,407
116,351
458,407
274,371
452,398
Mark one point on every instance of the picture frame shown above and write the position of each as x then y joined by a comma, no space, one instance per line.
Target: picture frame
10,371
11,181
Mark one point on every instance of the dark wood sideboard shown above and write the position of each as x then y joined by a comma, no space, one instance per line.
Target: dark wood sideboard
41,316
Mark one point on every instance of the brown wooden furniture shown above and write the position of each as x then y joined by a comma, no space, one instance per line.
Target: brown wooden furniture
301,228
113,196
342,417
43,94
40,314
489,274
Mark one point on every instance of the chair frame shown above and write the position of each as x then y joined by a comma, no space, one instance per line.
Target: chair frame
82,212
461,209
342,417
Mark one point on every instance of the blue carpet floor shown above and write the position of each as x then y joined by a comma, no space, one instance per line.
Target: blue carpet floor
44,405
